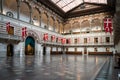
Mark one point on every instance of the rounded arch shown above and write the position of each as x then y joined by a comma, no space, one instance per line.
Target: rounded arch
85,26
29,46
85,23
34,35
76,26
11,7
67,28
36,16
44,19
96,24
61,27
25,11
51,23
56,25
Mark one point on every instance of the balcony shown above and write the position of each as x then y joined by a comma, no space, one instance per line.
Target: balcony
5,38
91,44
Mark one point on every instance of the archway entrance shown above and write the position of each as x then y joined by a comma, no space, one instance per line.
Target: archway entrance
10,50
29,46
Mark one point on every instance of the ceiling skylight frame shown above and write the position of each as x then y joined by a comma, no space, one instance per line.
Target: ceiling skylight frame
67,5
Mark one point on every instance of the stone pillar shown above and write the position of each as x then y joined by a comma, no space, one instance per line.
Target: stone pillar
90,25
18,9
54,25
71,24
63,28
48,21
101,22
31,15
58,27
40,20
1,6
80,26
63,50
116,26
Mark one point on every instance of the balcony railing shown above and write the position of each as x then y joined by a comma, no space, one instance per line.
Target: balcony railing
80,44
10,37
91,44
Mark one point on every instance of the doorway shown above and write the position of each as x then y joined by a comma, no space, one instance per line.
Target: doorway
85,50
10,50
44,50
29,46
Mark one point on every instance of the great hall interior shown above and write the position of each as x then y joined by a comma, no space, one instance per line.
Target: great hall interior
59,40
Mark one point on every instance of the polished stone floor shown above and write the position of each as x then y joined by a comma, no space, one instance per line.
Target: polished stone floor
54,67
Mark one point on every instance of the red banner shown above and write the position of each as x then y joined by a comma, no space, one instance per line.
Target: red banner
69,41
78,40
8,26
59,39
24,32
45,37
63,40
88,39
108,25
52,38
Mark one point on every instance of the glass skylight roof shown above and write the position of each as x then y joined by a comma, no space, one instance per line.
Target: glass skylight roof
67,5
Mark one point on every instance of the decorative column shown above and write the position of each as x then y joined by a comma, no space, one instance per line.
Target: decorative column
101,22
71,28
30,15
1,6
80,26
40,20
48,21
18,9
58,27
54,25
63,27
90,25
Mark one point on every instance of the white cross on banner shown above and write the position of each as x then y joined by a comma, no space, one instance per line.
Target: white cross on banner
108,25
45,37
24,32
53,37
7,26
63,40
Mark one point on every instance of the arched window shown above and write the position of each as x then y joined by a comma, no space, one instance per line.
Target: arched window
10,8
24,12
36,17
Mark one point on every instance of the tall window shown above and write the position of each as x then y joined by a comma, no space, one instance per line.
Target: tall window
95,40
107,49
11,30
75,49
107,39
95,49
75,41
67,49
85,40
